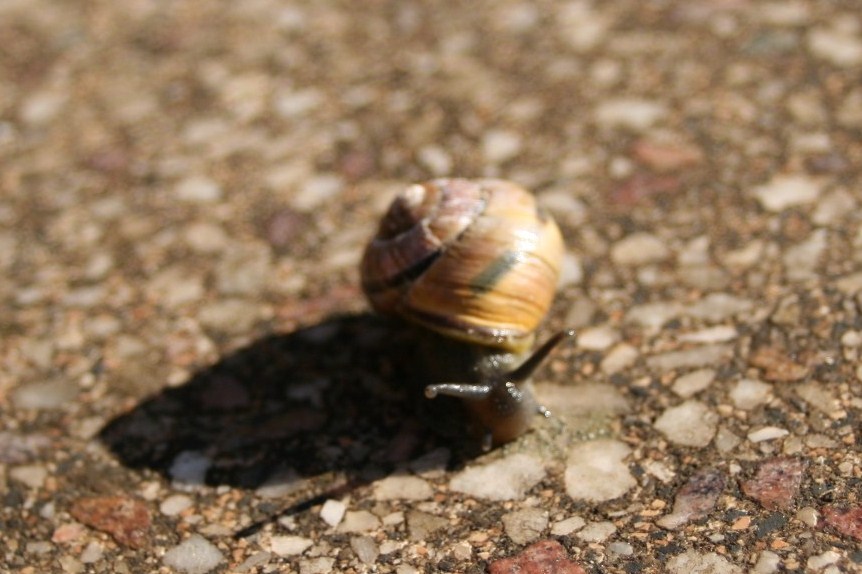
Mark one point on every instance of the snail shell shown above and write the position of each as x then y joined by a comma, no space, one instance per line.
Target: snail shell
476,260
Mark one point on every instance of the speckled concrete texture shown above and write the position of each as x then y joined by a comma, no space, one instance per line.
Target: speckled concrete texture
191,380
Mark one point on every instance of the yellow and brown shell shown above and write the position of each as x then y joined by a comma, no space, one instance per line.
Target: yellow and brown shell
477,260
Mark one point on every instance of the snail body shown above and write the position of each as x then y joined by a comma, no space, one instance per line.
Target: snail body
474,264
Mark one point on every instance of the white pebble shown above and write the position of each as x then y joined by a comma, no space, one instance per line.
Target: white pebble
33,475
801,260
719,334
719,306
435,159
693,561
784,191
365,548
321,565
690,424
174,505
749,393
197,555
634,114
596,471
692,383
359,521
639,249
597,338
525,525
619,358
402,488
505,479
567,526
198,189
316,191
823,560
767,563
653,315
93,552
621,548
686,358
836,46
767,433
597,531
332,511
289,545
499,146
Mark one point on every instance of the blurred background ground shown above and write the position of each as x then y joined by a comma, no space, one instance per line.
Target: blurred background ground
185,189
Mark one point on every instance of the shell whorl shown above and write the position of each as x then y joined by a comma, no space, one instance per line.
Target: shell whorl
471,259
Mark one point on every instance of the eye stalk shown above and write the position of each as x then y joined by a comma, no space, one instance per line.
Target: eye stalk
524,371
503,405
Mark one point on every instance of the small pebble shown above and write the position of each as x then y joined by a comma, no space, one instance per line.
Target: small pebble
257,559
639,249
93,552
196,555
126,519
462,551
619,358
597,531
820,561
315,191
174,505
499,146
33,475
785,191
717,307
776,483
696,499
567,526
421,524
653,315
692,383
767,563
690,424
365,548
767,433
836,46
634,114
402,488
38,547
198,189
45,395
596,471
332,512
808,516
359,521
505,479
525,525
231,316
289,545
620,548
321,565
693,561
597,338
747,394
846,521
435,159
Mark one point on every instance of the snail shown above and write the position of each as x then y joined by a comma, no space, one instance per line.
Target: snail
474,264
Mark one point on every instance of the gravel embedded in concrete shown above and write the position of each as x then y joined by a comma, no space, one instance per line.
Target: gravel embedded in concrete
185,195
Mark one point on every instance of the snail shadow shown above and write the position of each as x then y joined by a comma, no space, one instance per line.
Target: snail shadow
318,401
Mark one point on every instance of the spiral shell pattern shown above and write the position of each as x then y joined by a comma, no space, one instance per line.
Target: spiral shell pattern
476,260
